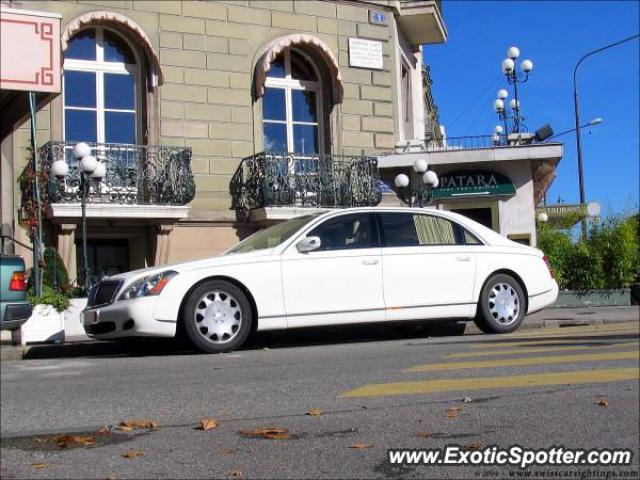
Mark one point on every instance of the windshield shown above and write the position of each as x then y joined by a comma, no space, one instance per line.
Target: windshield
272,236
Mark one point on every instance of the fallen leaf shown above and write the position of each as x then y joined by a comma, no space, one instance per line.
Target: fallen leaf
314,412
208,424
236,473
277,436
133,453
40,465
360,446
474,446
103,431
264,431
602,402
142,424
66,440
423,434
453,412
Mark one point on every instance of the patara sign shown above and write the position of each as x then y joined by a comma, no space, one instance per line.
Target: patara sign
473,183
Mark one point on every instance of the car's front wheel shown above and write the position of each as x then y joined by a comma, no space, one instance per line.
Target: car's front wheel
501,308
217,317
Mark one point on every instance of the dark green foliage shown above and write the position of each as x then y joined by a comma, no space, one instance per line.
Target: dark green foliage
54,274
608,258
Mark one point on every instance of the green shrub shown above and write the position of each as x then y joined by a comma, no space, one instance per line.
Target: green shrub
49,296
55,273
616,240
557,245
584,268
609,258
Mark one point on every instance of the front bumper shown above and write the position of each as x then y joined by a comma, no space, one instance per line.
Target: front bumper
126,318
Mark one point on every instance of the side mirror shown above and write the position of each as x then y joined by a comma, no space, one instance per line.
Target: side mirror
308,244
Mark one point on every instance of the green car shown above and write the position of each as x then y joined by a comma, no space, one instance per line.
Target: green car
14,307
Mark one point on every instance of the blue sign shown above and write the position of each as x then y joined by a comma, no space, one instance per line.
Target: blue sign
378,17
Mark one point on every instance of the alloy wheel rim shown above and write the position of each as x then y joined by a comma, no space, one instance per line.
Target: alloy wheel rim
218,317
504,303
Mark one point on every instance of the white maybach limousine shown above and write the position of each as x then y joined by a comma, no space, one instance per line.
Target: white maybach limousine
355,265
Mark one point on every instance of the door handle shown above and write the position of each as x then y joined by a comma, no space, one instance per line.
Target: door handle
463,259
371,261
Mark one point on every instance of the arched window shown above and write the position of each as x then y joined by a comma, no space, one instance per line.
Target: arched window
102,98
292,108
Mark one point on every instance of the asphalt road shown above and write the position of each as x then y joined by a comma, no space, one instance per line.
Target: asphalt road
390,387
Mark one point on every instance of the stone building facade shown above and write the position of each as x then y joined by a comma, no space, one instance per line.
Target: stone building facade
211,84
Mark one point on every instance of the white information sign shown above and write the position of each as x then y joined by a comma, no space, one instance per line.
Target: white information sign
365,53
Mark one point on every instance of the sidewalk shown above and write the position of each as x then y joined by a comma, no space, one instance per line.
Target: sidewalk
548,318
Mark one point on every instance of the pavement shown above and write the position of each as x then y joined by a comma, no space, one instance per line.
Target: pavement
550,317
369,389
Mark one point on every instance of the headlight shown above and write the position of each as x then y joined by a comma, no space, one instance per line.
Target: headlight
148,286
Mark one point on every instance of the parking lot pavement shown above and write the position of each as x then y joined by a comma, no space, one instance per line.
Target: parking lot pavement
571,386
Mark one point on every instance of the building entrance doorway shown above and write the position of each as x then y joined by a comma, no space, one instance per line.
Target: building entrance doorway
105,257
483,216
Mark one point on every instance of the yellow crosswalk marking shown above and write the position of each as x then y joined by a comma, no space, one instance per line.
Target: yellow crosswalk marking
583,329
519,362
516,351
532,342
487,383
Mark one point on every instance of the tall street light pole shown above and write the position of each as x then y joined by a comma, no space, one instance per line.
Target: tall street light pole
577,115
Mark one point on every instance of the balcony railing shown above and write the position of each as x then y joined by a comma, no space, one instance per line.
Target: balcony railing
136,174
270,179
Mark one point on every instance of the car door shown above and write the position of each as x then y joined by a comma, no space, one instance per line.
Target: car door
428,271
341,281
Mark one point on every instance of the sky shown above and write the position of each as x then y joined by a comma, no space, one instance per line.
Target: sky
466,74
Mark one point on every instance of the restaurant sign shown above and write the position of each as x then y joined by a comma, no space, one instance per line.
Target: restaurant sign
472,183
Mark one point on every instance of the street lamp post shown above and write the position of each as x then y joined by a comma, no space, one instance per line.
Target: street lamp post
591,123
514,77
90,168
418,192
577,115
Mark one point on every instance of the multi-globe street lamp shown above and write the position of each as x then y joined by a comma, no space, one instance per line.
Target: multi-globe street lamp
90,169
420,191
514,76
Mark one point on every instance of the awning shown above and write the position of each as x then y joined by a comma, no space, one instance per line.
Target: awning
106,18
275,47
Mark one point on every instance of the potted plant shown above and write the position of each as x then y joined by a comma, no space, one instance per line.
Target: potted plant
46,323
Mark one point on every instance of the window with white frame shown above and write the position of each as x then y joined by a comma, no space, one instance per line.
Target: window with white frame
101,89
292,106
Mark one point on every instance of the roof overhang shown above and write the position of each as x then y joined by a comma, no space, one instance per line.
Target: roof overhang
421,22
543,158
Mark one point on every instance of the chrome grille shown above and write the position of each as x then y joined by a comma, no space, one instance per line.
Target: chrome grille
104,293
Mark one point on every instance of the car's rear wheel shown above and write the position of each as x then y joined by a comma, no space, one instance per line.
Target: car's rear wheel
217,317
501,308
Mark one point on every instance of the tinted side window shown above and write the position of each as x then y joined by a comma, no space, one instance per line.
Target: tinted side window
399,229
347,232
406,229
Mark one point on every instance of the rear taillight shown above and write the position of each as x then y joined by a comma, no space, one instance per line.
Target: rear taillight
18,282
549,267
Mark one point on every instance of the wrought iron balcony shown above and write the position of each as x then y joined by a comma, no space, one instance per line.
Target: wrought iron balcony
270,179
136,174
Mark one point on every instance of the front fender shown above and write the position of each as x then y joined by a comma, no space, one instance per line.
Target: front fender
262,279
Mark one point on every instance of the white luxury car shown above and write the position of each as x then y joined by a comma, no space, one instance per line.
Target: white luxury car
356,265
